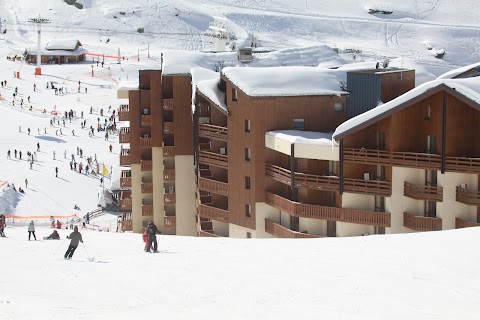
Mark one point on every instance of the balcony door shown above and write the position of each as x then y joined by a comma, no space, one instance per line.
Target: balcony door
331,228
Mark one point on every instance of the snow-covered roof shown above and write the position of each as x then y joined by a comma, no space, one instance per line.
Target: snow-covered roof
200,75
44,52
63,44
209,88
128,85
287,81
469,88
304,137
456,72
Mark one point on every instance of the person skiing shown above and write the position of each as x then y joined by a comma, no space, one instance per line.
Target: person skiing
75,237
72,221
8,154
56,171
110,148
152,237
2,227
26,184
31,230
38,146
53,236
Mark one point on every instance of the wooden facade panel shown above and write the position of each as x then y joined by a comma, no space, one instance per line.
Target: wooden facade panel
182,115
394,84
134,104
156,104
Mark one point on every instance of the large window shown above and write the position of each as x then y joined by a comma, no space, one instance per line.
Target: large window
298,124
234,94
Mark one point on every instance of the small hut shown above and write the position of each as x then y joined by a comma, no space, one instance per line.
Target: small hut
57,52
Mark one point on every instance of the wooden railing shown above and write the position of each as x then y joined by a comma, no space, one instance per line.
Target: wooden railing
167,104
278,173
214,159
470,197
213,132
366,156
462,164
417,160
213,186
213,213
168,151
124,135
281,232
127,225
302,210
460,223
170,221
421,223
169,198
147,210
426,193
147,187
168,128
145,142
202,233
146,120
125,182
125,157
126,204
124,115
376,187
169,175
205,146
146,165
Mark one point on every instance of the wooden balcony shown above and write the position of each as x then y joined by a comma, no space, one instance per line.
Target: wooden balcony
425,193
470,197
170,221
168,128
169,198
147,187
460,223
421,223
124,115
302,210
169,151
213,213
371,187
146,120
302,180
280,231
147,210
213,132
367,156
127,226
146,165
462,164
213,158
169,175
124,135
167,104
213,186
125,157
417,160
145,142
205,146
125,182
126,204
205,234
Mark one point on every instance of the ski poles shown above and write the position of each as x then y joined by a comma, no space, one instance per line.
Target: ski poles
59,246
88,256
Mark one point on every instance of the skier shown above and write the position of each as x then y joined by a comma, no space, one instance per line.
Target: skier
8,154
72,221
28,131
75,237
26,184
38,146
110,147
56,171
65,154
31,230
53,155
152,237
2,227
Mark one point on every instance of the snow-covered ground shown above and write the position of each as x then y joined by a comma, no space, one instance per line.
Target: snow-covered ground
418,276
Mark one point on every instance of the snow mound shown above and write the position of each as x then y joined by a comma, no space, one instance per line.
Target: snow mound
9,199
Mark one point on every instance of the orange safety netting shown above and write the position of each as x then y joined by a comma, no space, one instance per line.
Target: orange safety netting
11,216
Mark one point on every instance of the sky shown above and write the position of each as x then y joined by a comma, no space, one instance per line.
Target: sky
428,276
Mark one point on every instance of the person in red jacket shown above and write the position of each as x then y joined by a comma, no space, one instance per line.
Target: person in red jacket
59,225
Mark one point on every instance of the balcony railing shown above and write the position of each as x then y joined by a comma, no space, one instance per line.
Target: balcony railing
170,221
147,187
213,132
167,104
470,197
125,157
147,210
205,146
169,175
460,223
426,193
214,159
124,135
302,210
124,115
417,160
372,187
213,213
145,142
169,198
168,151
367,156
421,223
125,182
146,120
146,165
462,164
127,225
213,186
126,204
202,233
302,180
168,128
280,231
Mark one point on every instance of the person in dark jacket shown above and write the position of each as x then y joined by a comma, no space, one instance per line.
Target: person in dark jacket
152,237
75,237
54,235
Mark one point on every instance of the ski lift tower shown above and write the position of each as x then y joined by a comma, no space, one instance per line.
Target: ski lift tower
218,31
39,21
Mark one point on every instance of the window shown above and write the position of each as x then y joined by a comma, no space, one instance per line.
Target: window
248,210
247,183
298,124
427,115
247,125
249,235
338,107
234,95
332,168
247,154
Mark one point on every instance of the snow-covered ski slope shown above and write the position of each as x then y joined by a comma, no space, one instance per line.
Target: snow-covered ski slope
409,276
